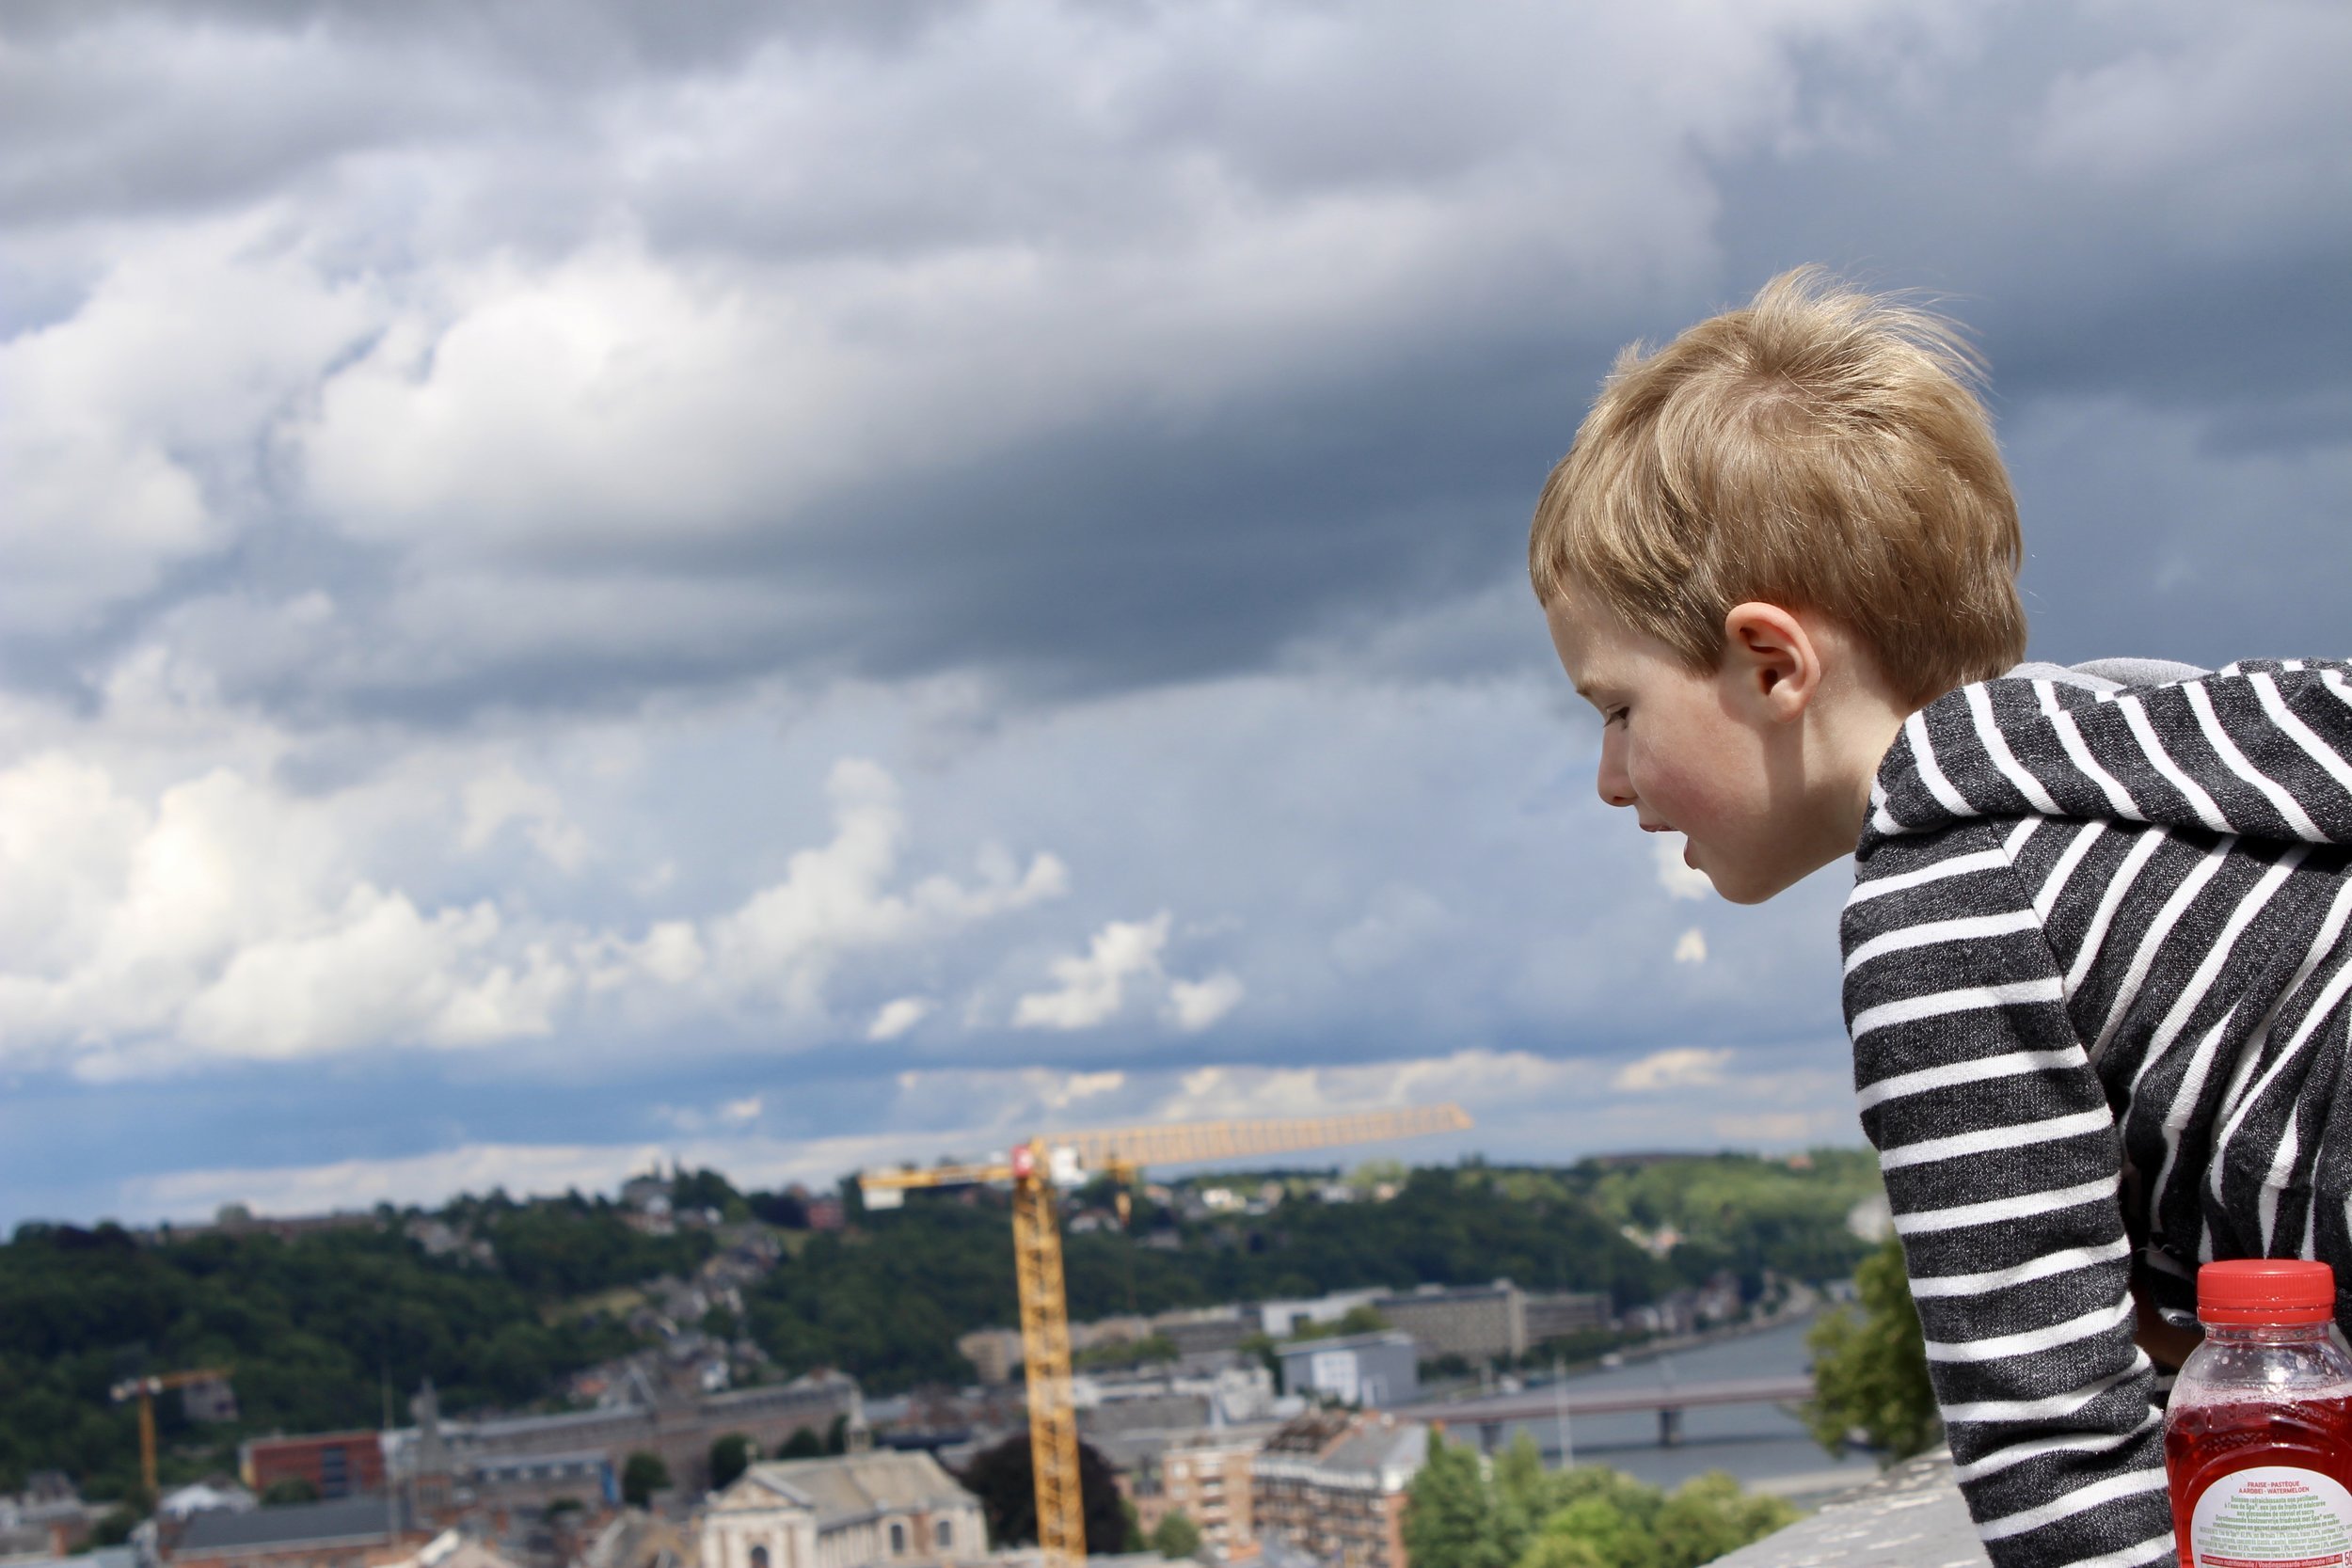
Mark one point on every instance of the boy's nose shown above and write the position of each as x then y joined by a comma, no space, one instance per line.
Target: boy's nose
1615,786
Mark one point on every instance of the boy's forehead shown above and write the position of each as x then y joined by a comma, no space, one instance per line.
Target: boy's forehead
1592,642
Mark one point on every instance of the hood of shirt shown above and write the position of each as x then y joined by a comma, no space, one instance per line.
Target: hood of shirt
2261,749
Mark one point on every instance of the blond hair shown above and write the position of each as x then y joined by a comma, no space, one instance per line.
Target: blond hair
1824,449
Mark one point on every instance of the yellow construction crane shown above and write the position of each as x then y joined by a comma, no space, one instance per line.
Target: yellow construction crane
144,1389
1035,1168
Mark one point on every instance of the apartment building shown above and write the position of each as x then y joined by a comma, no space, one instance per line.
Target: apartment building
1332,1484
1476,1322
1207,1479
1559,1314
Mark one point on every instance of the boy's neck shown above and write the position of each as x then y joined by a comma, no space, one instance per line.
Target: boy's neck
1851,723
1864,734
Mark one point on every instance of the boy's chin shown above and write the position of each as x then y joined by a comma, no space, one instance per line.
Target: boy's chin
1733,887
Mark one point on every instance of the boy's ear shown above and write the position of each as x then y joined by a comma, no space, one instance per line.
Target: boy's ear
1773,658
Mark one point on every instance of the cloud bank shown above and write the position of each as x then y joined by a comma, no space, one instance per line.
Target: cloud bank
556,563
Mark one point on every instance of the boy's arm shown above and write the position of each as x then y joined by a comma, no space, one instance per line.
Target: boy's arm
2001,1161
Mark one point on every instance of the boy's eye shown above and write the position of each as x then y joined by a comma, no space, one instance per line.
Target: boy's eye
1611,716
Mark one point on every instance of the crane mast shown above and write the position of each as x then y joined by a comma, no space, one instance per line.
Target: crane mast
144,1389
1035,1168
1061,1532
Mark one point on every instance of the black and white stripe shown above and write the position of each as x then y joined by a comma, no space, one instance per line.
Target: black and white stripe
2096,978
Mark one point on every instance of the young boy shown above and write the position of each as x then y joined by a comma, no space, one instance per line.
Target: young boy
2096,962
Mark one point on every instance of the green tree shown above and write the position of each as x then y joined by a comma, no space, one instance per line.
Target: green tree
730,1456
289,1489
1450,1510
1709,1516
1871,1373
1523,1495
1561,1549
641,1477
1360,1319
1605,1520
1175,1535
1129,1352
1598,1519
802,1444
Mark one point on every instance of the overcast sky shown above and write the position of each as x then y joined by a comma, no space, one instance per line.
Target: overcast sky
797,585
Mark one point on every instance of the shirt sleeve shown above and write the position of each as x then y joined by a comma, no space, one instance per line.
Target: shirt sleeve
2002,1163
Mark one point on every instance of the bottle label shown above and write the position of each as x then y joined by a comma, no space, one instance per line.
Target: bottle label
2272,1517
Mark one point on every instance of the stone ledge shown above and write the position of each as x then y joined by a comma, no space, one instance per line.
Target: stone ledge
1910,1517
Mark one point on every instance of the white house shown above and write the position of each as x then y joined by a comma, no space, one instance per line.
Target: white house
856,1511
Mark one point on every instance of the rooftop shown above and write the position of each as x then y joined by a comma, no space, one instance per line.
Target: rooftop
344,1519
851,1486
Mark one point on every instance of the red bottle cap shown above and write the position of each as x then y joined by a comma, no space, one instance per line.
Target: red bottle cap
2266,1290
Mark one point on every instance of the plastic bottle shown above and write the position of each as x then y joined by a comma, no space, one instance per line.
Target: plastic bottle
2258,1436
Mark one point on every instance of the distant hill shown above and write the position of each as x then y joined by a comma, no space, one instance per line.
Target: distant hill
321,1325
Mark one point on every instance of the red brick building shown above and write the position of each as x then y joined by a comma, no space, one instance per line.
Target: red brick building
336,1464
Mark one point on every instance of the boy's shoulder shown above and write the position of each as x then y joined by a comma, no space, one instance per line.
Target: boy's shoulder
1957,870
2253,760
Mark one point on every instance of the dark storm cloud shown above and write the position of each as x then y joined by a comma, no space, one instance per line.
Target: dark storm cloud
1997,160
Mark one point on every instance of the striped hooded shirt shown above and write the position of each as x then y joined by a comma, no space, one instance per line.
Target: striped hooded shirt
2095,977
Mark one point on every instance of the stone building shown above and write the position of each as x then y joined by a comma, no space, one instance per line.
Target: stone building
993,1352
856,1511
434,1462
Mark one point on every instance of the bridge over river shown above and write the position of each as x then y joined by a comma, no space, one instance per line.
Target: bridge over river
1565,1402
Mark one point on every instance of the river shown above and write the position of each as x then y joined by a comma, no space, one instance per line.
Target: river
1759,1445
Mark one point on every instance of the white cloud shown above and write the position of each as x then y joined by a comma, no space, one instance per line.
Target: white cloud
379,973
1679,878
1679,1068
1092,988
1195,1004
505,796
150,927
898,1015
1691,947
836,899
136,422
420,1179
